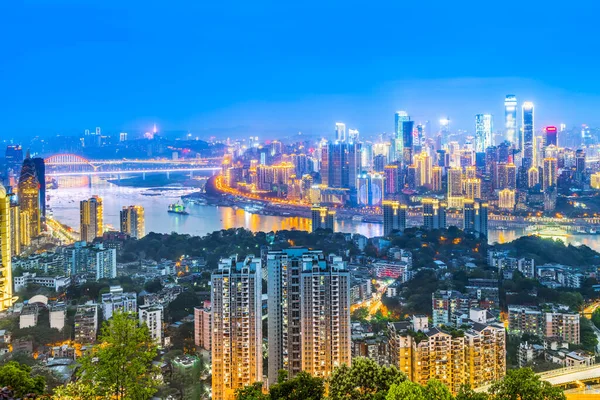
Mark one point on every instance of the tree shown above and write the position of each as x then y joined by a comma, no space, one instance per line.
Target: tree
407,390
524,384
252,392
18,378
365,380
360,314
466,393
303,386
121,364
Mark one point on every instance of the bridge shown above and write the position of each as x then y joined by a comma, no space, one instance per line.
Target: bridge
74,165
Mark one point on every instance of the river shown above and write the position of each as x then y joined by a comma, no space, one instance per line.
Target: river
203,219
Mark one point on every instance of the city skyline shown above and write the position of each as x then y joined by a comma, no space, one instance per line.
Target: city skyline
128,74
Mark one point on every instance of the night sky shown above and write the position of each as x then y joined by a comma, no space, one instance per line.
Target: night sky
270,67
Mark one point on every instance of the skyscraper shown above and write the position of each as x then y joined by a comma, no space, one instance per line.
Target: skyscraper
322,218
434,214
475,217
399,119
528,130
325,314
29,196
550,136
91,219
510,118
40,170
455,188
340,132
394,216
237,326
550,172
14,159
133,222
483,132
6,284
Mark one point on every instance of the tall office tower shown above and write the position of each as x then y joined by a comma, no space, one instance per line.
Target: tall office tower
550,171
40,170
367,155
237,326
411,181
434,214
407,142
29,196
15,230
510,118
533,177
436,179
133,222
470,172
455,188
91,219
6,284
379,162
506,199
444,133
325,314
322,218
442,158
504,153
340,164
506,176
394,216
491,159
363,189
472,188
423,163
550,136
580,162
420,142
353,135
483,132
354,161
152,316
14,160
475,217
392,180
527,149
340,132
399,119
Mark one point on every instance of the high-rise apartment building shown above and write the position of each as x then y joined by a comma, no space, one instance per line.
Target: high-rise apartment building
15,229
203,326
455,188
550,172
91,218
133,221
510,118
551,322
483,132
86,323
6,284
29,196
434,214
527,149
325,314
506,199
322,218
475,217
13,160
472,188
394,216
340,164
237,326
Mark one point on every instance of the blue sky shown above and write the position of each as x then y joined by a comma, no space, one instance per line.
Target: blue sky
269,67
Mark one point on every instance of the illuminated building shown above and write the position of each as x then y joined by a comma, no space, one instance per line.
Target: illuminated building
412,180
550,171
353,135
475,217
91,219
476,358
472,188
379,162
506,176
423,164
580,163
470,173
455,188
116,300
6,284
434,214
13,160
376,189
203,326
322,218
394,217
325,314
86,323
443,133
306,184
24,228
15,230
265,177
340,164
340,132
533,177
236,352
399,139
550,136
29,196
510,118
436,179
40,170
133,221
527,148
392,179
363,189
506,199
483,132
595,180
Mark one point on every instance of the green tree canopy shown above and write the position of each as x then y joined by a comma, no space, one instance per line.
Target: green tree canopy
18,377
252,392
120,366
523,383
365,380
303,386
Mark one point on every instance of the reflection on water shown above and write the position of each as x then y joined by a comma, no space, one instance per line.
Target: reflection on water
205,219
